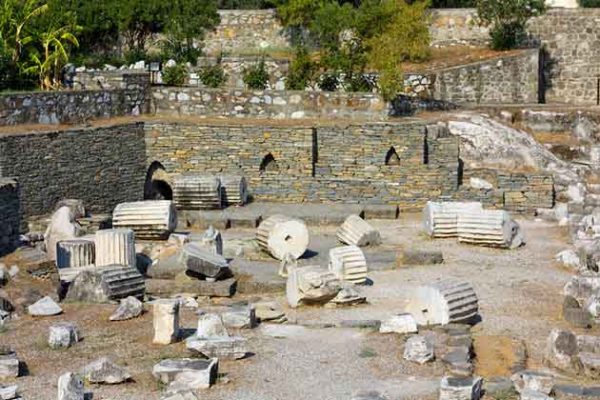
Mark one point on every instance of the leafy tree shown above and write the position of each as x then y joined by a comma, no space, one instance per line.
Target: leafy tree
175,75
589,3
302,71
213,76
507,19
256,76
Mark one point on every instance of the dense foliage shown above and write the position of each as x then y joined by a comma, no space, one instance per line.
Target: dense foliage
213,76
590,3
245,4
507,19
452,3
353,36
175,75
256,76
302,71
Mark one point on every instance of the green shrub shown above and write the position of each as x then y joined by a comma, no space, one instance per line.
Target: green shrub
452,3
245,4
175,75
507,19
358,83
256,76
589,3
213,76
329,82
302,71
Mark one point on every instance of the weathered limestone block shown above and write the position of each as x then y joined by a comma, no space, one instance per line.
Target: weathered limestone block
443,302
348,264
9,364
75,253
440,219
202,262
212,340
311,284
76,206
529,394
418,349
211,239
63,335
115,247
105,284
401,323
62,227
103,370
493,228
582,287
358,232
453,388
280,236
149,219
349,295
562,351
234,190
70,387
222,348
532,380
166,321
130,307
203,372
193,192
239,317
591,364
9,392
44,307
69,274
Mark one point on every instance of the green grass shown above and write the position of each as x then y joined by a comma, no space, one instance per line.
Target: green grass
367,352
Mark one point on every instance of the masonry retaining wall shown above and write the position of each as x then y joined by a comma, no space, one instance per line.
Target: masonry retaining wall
103,166
10,215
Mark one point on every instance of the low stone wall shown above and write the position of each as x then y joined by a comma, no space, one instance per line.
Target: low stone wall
456,27
103,166
401,163
509,79
75,106
246,32
10,215
266,104
234,68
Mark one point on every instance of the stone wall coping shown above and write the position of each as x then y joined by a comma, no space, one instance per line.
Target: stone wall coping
266,11
513,54
8,182
72,130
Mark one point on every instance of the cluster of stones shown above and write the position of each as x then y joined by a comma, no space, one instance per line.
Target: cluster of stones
470,223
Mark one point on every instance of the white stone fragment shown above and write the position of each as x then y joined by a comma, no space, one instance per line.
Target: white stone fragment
532,380
440,218
63,335
280,236
70,387
166,321
197,192
62,227
194,373
493,228
234,190
358,232
45,307
418,349
311,284
455,388
401,323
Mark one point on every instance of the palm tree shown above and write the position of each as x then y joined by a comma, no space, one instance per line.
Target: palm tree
14,18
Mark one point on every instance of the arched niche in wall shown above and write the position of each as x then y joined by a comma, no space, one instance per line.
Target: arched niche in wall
268,164
156,188
391,157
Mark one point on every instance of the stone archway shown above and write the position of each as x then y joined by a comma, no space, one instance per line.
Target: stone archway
391,157
155,186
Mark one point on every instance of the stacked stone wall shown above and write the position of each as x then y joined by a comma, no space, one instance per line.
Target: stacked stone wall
102,166
369,163
64,107
10,215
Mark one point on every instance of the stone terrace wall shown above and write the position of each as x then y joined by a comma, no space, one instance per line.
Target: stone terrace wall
10,215
234,67
75,106
266,104
102,166
456,27
571,38
404,164
509,79
245,32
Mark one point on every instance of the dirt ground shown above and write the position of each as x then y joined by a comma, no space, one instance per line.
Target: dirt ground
519,294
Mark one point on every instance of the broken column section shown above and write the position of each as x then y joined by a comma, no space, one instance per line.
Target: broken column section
348,264
358,232
234,190
75,253
202,263
440,218
493,228
150,219
280,236
311,284
115,247
109,283
193,192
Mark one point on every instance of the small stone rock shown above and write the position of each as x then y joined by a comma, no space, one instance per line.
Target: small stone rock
166,321
269,311
129,308
9,392
562,351
569,259
418,349
223,348
195,373
63,335
243,317
9,364
591,364
453,388
529,394
535,381
104,370
210,326
70,387
44,307
13,271
401,323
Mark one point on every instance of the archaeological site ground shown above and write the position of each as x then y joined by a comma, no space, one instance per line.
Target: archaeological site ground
185,241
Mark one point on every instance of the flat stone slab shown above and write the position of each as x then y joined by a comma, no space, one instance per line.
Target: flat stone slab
45,307
104,370
257,277
203,372
223,348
